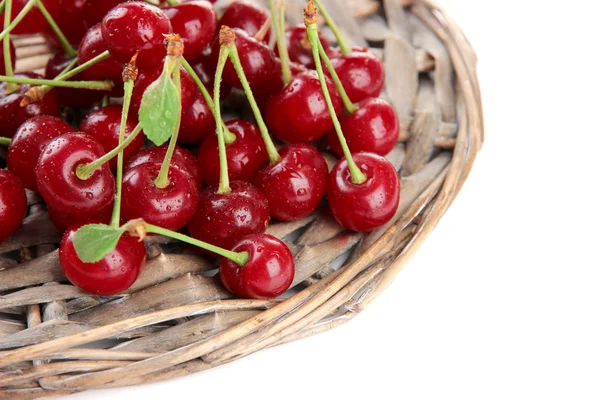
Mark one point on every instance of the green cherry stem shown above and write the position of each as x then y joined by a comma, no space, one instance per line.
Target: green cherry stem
18,18
274,156
342,42
278,19
310,20
2,5
69,50
92,85
4,141
11,87
173,2
350,107
224,170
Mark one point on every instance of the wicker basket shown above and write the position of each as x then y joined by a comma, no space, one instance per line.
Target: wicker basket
177,319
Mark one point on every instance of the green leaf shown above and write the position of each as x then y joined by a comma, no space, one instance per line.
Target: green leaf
160,109
93,242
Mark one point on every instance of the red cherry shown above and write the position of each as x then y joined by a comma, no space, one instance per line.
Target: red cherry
13,58
299,113
366,206
222,219
195,22
268,273
64,221
95,10
104,125
34,21
373,128
59,185
245,156
136,27
13,204
362,74
67,96
263,92
29,142
12,115
246,16
171,207
115,273
299,48
296,184
70,20
181,159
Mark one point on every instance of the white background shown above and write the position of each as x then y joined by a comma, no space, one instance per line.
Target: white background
503,300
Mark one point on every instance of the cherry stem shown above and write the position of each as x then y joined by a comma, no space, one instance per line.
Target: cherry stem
348,105
4,141
173,2
11,87
229,137
2,4
69,50
262,32
312,30
224,171
342,42
18,18
91,85
279,25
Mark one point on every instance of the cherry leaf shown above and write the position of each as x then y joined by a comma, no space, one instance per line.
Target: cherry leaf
93,242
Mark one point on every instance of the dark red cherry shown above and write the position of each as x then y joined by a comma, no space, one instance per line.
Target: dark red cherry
205,67
115,273
245,156
104,125
13,204
70,20
223,219
59,185
12,115
136,27
299,113
299,47
195,22
263,92
268,273
64,221
246,16
29,142
171,207
361,72
296,184
366,206
373,128
181,159
34,21
95,10
13,58
67,96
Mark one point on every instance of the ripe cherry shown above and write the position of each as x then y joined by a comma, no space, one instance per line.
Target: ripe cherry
59,184
366,206
299,48
136,27
68,96
171,207
195,22
70,20
13,58
362,74
245,156
12,115
113,274
64,221
246,16
29,142
268,273
374,128
34,21
13,204
299,114
295,185
263,92
95,10
104,125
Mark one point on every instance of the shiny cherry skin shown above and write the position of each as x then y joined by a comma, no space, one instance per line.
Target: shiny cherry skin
12,115
373,128
245,156
299,48
263,92
13,204
59,185
245,16
136,27
67,96
64,221
13,58
104,125
181,159
369,205
29,142
296,184
171,207
268,273
115,273
299,113
195,22
362,74
34,22
95,10
223,219
70,20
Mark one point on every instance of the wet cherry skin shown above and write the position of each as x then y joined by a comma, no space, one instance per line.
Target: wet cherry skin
223,219
104,125
70,20
67,96
299,48
134,27
13,58
362,74
114,274
95,10
34,21
268,273
245,156
171,207
373,128
369,205
296,184
13,204
59,185
12,115
245,16
29,142
64,221
299,113
195,22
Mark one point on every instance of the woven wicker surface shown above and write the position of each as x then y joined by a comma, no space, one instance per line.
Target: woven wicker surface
177,319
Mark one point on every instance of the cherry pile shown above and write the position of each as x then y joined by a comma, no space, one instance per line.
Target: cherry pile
125,137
